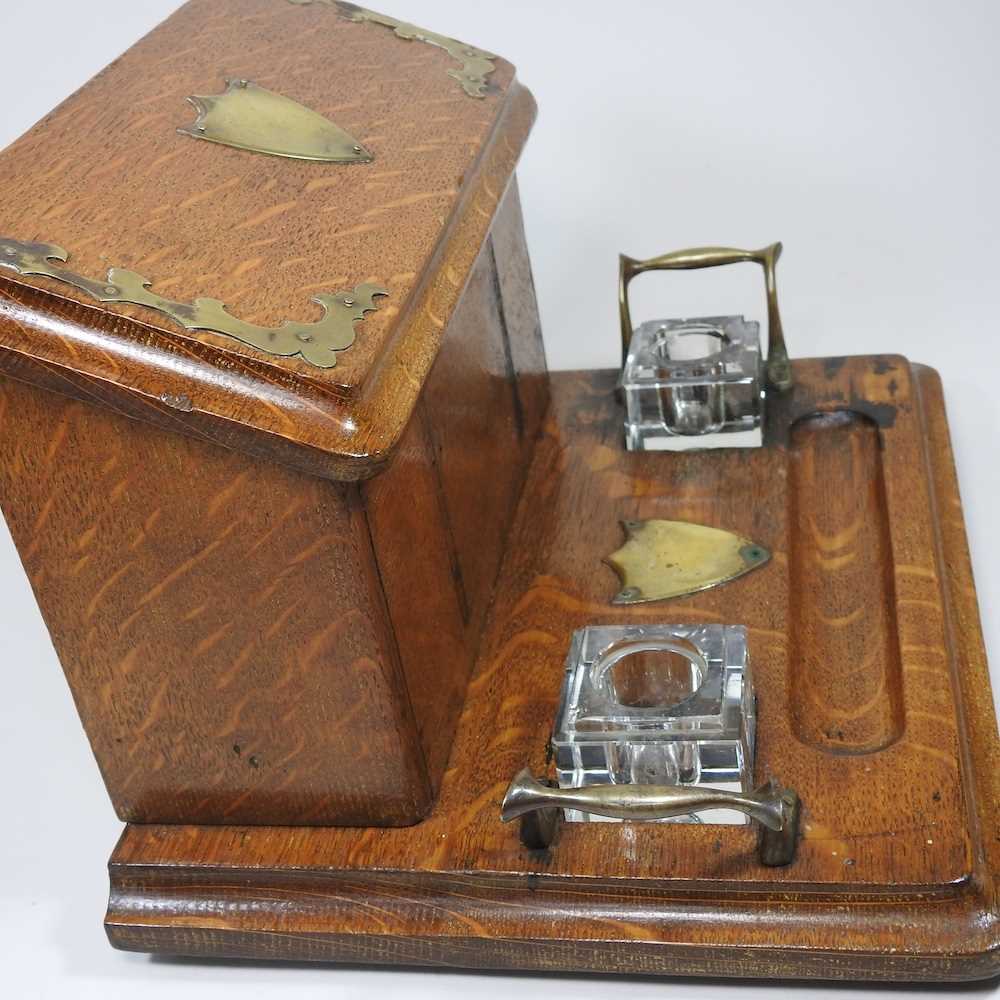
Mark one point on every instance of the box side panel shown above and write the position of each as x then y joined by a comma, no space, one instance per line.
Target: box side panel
412,537
520,312
481,440
441,514
219,620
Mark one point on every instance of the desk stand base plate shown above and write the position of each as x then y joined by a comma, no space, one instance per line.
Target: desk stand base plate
874,703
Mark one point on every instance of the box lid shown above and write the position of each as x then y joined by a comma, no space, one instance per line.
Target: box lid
118,177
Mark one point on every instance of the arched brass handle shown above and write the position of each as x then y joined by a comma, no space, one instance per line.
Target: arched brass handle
779,373
774,808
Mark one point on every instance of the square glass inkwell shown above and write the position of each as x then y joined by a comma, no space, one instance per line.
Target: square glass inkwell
700,383
657,705
694,384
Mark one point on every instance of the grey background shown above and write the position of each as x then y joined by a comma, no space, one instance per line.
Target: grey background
862,134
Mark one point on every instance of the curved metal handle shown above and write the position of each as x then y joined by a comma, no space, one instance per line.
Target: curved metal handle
779,374
640,802
776,809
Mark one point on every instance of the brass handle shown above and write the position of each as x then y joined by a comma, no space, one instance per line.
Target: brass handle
779,374
776,809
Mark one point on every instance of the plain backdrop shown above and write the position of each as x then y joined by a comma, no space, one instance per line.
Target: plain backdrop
862,134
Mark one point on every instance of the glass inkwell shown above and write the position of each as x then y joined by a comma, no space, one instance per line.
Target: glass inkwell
657,705
699,383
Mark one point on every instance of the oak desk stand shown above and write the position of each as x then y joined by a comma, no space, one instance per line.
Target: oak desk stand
311,528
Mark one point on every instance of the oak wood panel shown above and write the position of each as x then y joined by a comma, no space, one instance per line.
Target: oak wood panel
219,619
476,426
107,176
520,314
895,876
415,551
441,514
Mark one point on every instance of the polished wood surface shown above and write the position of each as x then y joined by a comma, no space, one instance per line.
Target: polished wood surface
896,874
107,177
847,682
249,643
219,621
441,514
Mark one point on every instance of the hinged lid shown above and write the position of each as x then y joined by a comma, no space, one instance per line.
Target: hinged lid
350,155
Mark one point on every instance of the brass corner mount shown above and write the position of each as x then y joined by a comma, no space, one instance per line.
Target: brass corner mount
316,343
477,64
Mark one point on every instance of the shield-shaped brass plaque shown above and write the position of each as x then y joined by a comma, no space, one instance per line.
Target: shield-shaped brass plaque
664,559
249,117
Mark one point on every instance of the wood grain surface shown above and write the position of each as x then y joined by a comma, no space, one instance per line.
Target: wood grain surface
107,177
895,877
440,515
219,620
847,681
249,643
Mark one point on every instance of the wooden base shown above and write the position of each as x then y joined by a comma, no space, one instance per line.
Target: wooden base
874,703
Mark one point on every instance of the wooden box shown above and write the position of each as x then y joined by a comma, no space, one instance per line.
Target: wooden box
266,572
